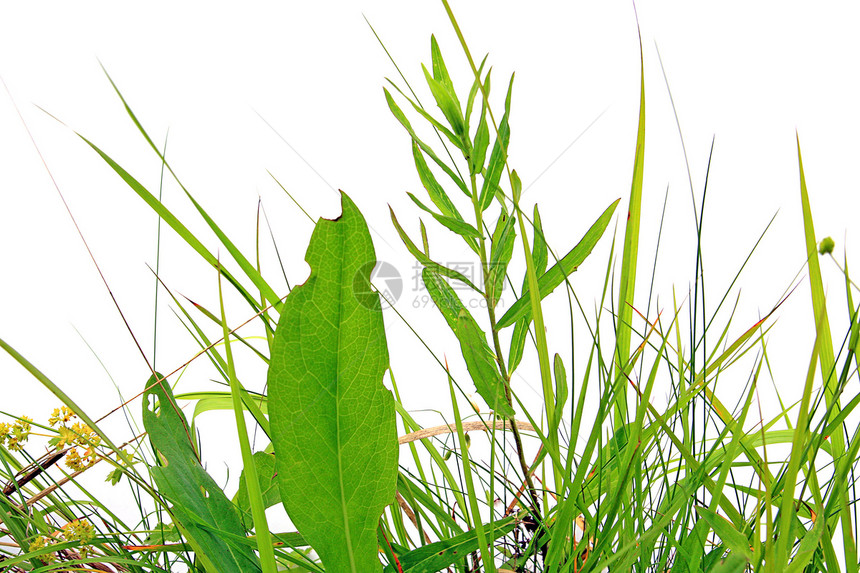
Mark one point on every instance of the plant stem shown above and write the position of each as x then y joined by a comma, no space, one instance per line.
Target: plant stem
524,466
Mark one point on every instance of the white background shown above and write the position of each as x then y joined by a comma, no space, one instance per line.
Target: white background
747,74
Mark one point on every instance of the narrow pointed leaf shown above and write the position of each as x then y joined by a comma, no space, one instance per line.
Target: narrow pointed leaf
455,224
499,155
174,223
425,260
440,70
500,255
733,539
539,258
482,142
435,191
819,305
332,420
447,102
473,343
437,556
267,476
731,564
561,270
476,86
561,389
398,113
630,254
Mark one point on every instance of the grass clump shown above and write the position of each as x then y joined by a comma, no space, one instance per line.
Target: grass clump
630,462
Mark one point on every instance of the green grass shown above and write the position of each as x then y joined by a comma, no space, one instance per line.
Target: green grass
633,461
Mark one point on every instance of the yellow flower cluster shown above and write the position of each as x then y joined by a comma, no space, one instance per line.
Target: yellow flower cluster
15,435
78,434
42,542
62,415
78,530
74,435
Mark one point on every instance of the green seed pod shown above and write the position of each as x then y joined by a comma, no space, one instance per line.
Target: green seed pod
826,246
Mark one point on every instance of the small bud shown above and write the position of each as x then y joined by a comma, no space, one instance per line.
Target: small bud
826,245
517,185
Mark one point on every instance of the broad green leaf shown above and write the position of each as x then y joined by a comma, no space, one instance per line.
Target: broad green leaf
473,343
332,420
206,518
559,271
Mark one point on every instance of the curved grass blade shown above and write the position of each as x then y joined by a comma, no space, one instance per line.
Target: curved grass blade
174,223
540,256
252,483
827,361
479,529
332,420
630,254
252,273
